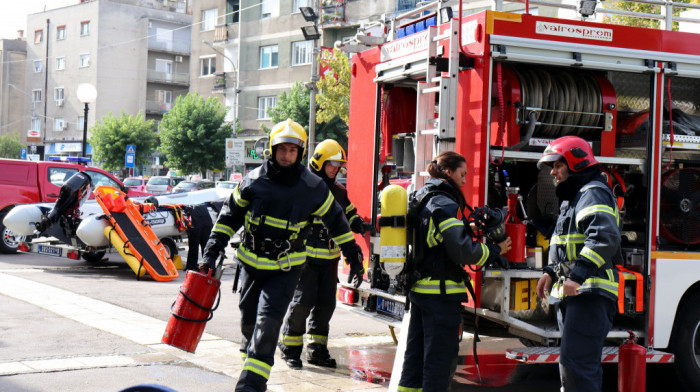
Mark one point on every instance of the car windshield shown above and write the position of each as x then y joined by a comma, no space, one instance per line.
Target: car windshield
186,185
132,182
158,181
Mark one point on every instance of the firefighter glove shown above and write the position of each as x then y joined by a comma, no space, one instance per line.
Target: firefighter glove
357,270
357,226
499,262
206,264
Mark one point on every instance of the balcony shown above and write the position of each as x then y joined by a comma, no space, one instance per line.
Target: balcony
219,82
179,78
170,46
221,33
156,107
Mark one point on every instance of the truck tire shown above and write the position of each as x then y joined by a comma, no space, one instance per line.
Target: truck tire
170,245
94,256
9,240
686,342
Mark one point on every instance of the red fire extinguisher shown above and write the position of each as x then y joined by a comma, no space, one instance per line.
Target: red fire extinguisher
194,306
515,229
632,373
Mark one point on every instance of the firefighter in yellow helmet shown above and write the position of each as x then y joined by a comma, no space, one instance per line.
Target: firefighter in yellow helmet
315,293
274,204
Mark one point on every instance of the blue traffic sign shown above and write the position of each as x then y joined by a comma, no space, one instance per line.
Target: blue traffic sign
23,153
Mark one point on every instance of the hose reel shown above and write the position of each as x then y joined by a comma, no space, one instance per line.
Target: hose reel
546,103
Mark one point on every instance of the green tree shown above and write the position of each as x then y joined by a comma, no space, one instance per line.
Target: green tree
111,135
10,146
292,104
333,96
193,134
641,8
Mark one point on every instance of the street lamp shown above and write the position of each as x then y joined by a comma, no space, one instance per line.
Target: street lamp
311,32
86,93
235,69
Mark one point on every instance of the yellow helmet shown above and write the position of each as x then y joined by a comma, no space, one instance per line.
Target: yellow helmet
328,151
287,131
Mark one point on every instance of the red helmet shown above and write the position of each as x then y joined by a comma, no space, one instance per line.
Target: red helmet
576,152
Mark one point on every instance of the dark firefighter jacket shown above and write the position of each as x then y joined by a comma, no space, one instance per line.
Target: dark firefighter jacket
319,246
586,242
277,216
448,245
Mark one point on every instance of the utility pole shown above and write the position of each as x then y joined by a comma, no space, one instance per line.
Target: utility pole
314,78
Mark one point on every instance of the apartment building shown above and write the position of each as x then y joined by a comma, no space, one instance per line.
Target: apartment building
136,53
12,56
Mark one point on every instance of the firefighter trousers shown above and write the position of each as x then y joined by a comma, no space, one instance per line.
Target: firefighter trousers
433,343
314,296
265,296
585,321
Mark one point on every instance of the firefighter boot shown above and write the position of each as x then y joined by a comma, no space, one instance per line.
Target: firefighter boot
318,355
291,356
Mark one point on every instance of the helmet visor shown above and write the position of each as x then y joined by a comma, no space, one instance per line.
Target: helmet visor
336,163
547,160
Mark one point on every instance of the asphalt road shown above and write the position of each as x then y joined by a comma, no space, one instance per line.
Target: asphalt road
363,347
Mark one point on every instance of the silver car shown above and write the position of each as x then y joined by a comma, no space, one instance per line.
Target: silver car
162,184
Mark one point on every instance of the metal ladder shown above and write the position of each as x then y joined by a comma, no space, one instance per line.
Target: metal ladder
436,126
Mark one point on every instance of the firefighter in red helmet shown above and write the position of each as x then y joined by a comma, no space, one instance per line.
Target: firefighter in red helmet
275,203
583,251
314,297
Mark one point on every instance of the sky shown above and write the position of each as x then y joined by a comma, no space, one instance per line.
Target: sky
13,13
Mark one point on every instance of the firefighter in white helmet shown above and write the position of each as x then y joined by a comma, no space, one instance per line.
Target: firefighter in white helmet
275,204
315,293
583,251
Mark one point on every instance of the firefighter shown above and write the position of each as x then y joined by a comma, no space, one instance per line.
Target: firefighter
275,204
436,297
315,293
583,251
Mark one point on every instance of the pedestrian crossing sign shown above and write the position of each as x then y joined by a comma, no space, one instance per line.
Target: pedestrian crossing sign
130,149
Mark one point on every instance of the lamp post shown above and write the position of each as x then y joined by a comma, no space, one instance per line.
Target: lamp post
235,70
86,93
311,33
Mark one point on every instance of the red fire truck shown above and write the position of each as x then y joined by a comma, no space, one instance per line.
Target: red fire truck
497,87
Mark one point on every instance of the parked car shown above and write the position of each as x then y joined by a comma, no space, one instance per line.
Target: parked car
227,184
136,183
194,185
162,184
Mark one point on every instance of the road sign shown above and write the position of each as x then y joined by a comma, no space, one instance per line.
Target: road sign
23,153
235,152
130,158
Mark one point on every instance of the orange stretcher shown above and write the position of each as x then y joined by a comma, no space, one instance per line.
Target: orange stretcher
133,237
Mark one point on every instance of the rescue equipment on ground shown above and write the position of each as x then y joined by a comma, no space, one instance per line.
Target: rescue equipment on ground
135,235
123,250
515,229
632,373
196,302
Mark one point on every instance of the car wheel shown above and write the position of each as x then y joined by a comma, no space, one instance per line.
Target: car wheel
170,246
94,256
10,240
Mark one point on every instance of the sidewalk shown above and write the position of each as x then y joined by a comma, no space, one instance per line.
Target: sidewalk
104,347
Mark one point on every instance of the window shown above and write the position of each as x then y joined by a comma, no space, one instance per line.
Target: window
268,56
209,19
81,123
38,36
60,63
164,96
102,179
36,95
59,124
38,65
58,95
265,103
84,60
207,65
85,28
302,52
36,124
232,10
270,8
300,3
59,175
60,32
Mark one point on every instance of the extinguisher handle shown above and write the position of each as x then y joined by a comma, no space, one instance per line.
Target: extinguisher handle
219,266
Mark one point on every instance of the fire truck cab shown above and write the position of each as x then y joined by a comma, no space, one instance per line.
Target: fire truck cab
497,87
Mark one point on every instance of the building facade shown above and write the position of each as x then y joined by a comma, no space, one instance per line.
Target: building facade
135,53
13,53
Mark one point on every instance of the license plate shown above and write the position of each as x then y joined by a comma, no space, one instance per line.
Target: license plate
390,307
49,250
